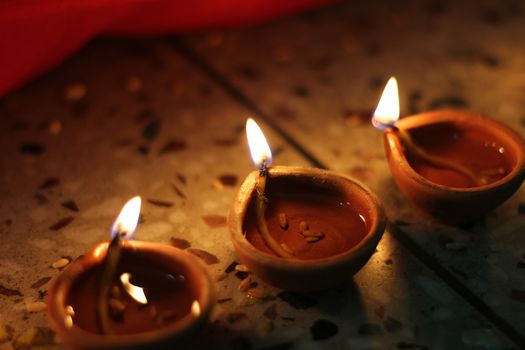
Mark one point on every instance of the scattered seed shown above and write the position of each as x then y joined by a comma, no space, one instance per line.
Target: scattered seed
179,243
241,275
35,336
231,267
75,92
223,300
455,246
151,130
40,282
244,285
257,293
71,205
181,178
208,258
54,127
173,146
60,263
283,222
214,221
240,267
49,183
303,226
37,306
308,233
116,305
178,191
160,203
42,294
61,223
9,292
133,84
228,179
312,239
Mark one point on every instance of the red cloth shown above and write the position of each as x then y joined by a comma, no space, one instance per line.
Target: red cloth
35,35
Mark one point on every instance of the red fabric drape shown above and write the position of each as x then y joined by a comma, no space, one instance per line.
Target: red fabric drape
35,35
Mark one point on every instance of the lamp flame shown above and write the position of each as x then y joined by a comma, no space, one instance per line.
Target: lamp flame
134,291
259,148
387,111
126,222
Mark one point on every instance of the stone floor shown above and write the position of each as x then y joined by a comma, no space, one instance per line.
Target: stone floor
164,118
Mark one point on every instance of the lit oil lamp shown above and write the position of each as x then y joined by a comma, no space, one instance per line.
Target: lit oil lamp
454,165
302,229
129,294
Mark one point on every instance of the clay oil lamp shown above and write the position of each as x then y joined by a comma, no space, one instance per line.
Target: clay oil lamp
129,294
453,165
302,229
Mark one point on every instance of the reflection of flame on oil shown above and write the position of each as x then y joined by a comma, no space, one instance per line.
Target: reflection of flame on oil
68,320
195,308
137,293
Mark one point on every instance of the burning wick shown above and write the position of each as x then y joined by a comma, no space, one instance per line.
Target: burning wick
123,228
262,158
387,114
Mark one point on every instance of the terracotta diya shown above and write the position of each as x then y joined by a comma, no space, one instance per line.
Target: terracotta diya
154,295
302,229
453,165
